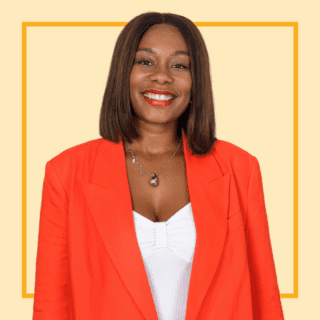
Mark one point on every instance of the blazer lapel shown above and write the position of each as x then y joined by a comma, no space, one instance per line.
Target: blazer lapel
109,199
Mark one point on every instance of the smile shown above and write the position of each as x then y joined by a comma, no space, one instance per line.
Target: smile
158,100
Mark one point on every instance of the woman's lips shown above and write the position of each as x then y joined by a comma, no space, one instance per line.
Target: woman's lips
158,103
159,92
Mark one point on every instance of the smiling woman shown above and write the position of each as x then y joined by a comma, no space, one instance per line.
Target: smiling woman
161,76
160,52
187,240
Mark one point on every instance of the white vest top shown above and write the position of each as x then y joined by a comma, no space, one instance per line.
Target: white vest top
167,250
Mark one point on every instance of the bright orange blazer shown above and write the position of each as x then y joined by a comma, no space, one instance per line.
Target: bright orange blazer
89,265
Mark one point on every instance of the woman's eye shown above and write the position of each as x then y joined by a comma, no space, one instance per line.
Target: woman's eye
144,62
181,66
148,63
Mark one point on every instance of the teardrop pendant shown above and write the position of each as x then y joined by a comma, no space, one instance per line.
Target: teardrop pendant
154,180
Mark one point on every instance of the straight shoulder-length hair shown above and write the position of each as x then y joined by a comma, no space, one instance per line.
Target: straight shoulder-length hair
117,115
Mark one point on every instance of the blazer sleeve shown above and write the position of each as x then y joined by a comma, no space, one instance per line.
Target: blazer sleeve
52,293
266,301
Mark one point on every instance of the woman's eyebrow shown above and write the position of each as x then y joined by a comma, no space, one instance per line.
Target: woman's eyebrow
175,53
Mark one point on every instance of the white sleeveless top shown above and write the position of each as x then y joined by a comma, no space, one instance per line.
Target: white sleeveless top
167,250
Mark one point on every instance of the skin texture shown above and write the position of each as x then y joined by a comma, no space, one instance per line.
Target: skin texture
157,125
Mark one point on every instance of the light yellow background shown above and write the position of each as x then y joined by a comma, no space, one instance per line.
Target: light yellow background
252,79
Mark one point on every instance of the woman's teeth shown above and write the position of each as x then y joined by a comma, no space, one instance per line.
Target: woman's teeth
160,97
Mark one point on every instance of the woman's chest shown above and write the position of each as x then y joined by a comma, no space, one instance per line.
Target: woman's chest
158,203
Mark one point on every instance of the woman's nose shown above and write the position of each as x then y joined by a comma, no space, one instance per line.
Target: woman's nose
161,74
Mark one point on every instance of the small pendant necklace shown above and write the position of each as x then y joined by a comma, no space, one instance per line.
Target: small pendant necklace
154,177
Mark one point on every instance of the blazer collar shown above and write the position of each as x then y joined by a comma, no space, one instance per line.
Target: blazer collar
109,200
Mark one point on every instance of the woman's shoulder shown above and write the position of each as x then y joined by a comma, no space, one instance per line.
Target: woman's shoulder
230,155
225,148
84,149
69,163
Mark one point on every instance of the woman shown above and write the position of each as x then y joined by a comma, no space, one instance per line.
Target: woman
157,219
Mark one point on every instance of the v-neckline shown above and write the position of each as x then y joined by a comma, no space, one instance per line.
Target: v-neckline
175,214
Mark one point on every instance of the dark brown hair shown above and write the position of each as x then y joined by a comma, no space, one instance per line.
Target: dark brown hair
117,115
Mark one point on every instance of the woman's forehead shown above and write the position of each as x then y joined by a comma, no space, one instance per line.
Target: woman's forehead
161,39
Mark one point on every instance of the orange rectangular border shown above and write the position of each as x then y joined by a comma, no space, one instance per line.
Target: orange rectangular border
294,25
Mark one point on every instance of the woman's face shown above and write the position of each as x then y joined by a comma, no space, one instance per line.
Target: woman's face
161,64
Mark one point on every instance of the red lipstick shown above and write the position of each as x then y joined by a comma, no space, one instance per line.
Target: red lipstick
158,103
159,92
